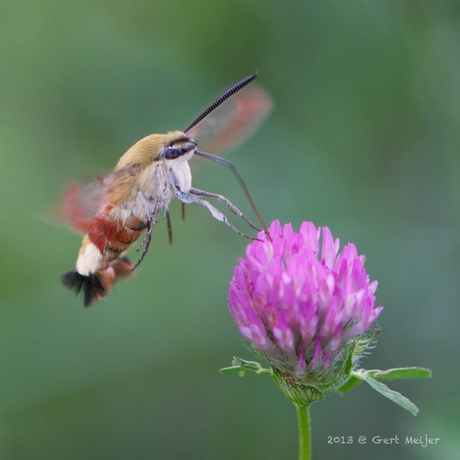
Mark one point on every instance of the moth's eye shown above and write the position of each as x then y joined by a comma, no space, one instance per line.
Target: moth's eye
178,148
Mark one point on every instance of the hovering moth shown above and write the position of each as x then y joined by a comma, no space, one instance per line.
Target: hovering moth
113,211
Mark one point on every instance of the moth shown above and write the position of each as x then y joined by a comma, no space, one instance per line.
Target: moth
113,211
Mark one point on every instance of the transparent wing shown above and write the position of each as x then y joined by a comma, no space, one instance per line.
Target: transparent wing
83,201
232,122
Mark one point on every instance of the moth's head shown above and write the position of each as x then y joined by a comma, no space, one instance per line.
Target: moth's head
178,146
175,145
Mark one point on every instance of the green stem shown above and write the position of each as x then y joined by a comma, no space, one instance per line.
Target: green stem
303,420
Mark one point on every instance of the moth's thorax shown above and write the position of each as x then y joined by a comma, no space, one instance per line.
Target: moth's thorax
153,188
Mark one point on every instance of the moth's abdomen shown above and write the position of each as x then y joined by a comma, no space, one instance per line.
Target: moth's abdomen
97,285
125,236
100,261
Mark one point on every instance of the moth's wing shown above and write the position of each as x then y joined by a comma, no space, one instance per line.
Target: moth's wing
83,201
232,122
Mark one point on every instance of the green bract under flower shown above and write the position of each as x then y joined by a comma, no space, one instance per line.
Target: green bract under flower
302,304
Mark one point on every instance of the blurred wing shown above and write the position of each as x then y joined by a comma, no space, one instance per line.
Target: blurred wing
233,121
84,201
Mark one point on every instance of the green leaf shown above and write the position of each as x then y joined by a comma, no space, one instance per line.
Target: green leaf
242,366
392,395
231,370
400,373
352,382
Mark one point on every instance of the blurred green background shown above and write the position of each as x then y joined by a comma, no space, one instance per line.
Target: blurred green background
364,138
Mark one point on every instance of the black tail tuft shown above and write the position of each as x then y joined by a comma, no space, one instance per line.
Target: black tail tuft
93,286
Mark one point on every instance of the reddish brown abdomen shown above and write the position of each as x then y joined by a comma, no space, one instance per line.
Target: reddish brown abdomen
112,239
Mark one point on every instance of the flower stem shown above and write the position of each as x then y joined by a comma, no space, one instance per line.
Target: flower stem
303,420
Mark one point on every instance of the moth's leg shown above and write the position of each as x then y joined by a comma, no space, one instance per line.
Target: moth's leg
168,224
189,198
226,201
151,221
145,244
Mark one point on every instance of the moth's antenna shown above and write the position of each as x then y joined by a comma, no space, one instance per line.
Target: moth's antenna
230,92
232,168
